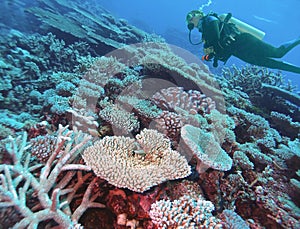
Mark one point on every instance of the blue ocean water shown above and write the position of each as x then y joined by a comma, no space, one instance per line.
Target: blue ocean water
278,19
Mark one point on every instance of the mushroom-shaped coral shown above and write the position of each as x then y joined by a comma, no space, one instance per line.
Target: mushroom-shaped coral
203,145
136,164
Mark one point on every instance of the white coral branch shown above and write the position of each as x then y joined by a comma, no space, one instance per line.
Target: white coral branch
18,178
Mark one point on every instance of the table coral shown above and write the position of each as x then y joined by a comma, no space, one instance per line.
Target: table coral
136,164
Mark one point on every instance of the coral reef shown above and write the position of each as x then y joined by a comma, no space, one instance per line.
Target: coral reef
98,132
71,18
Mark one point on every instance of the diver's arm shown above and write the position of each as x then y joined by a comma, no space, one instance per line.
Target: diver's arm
211,32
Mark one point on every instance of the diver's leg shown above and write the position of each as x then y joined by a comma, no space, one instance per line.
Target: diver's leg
248,45
277,64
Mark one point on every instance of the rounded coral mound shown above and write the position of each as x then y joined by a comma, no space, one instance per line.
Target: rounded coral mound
186,212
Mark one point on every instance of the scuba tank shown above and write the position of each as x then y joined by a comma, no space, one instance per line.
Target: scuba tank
244,27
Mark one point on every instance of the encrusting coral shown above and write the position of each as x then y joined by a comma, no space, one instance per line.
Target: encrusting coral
136,164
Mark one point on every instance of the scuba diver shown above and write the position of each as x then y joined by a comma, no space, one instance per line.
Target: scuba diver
225,36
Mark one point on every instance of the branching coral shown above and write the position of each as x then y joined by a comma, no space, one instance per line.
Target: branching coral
250,78
186,212
136,164
121,120
53,199
254,128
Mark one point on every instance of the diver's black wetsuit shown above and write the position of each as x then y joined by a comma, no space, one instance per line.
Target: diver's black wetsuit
246,47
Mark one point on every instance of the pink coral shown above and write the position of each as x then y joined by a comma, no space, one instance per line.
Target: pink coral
186,212
192,101
43,146
169,123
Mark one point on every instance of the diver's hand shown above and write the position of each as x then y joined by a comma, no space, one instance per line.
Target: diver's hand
209,50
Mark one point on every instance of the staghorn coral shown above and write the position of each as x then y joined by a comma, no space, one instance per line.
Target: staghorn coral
53,196
185,212
203,145
259,90
136,164
250,78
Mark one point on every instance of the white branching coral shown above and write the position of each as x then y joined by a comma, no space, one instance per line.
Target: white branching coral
53,195
136,164
186,212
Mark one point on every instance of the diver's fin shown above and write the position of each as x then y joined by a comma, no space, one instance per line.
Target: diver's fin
288,46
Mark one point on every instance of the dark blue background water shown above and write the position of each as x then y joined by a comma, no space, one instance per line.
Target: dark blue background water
280,20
